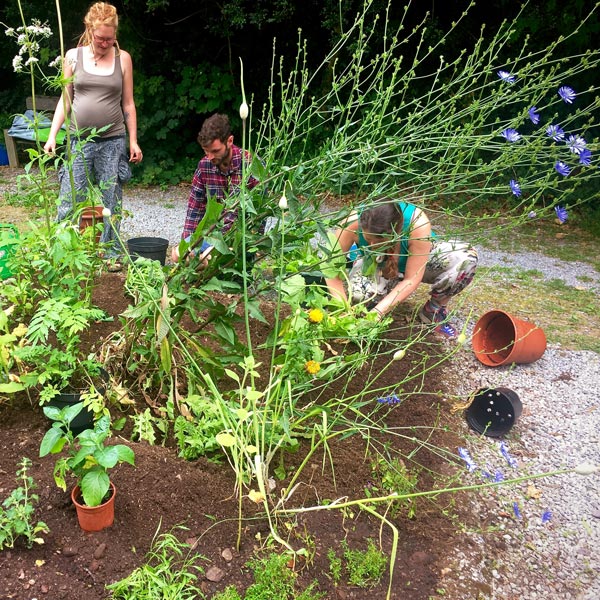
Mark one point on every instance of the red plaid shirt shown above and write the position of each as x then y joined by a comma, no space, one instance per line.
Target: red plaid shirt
209,180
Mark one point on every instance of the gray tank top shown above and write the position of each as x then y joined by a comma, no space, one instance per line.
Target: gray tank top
97,99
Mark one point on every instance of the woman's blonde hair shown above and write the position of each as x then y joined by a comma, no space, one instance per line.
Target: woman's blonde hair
99,13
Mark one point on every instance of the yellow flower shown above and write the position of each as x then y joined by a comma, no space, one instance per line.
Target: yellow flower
315,315
312,367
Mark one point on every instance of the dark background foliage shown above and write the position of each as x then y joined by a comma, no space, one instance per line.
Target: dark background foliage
186,53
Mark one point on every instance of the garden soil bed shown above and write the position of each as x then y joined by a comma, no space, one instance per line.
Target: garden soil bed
164,491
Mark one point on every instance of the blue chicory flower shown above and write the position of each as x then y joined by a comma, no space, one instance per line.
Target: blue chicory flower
562,168
509,459
532,214
561,214
576,144
534,116
585,157
506,76
464,454
498,476
567,94
546,516
512,135
555,132
515,187
516,510
393,399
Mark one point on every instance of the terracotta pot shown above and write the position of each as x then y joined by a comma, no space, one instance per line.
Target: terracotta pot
500,338
95,518
494,411
91,215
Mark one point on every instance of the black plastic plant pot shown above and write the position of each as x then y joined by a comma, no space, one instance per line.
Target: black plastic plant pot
494,411
85,419
154,248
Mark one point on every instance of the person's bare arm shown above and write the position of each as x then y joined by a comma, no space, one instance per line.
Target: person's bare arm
419,247
346,236
63,108
129,110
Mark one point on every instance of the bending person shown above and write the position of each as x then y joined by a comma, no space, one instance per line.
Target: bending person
100,96
399,250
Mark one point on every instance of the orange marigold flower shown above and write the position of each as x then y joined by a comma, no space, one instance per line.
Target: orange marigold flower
312,367
315,315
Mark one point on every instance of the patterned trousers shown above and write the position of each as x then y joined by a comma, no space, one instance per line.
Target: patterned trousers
100,168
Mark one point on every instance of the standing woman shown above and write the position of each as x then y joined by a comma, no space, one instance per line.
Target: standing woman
99,95
397,239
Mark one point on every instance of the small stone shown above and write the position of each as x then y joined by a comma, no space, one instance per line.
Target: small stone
215,574
100,550
445,571
45,589
596,514
94,566
227,555
69,551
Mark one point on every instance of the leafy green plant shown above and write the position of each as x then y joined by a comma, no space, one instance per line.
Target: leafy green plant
393,476
17,512
169,573
89,457
274,578
364,567
335,566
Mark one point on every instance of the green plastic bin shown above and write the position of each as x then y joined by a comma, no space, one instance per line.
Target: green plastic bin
9,236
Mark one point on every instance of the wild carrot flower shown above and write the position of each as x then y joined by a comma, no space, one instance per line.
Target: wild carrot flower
515,187
509,459
312,367
555,132
567,94
561,214
576,144
506,76
315,315
464,454
511,135
534,116
562,168
585,157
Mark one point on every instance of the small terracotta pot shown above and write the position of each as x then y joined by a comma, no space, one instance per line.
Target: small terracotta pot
91,215
500,338
493,412
95,518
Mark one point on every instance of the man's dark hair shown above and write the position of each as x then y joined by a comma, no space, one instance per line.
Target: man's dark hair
215,127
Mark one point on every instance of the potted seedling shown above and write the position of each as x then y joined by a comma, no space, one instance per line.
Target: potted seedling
89,459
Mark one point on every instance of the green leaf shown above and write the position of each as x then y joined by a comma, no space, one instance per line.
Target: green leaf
11,388
94,486
53,441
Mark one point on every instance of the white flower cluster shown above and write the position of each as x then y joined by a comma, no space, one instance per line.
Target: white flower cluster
28,44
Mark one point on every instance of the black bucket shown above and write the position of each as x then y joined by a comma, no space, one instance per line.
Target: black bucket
153,248
494,411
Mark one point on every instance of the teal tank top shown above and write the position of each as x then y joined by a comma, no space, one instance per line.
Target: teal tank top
408,211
